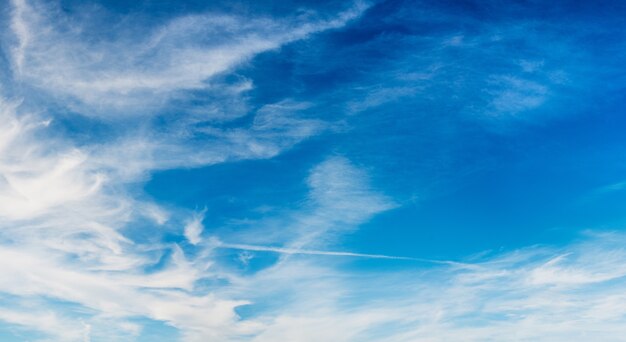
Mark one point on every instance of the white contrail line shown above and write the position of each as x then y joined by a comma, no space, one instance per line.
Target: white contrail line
306,251
282,250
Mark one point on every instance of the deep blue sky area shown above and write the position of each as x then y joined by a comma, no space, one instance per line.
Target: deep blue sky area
467,180
312,170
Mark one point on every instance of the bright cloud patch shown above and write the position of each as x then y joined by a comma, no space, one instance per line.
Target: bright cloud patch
140,69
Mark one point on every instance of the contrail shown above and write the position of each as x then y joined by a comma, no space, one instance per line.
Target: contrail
282,250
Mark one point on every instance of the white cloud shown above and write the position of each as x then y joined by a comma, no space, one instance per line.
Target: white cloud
341,198
59,329
515,95
496,299
139,72
193,228
35,177
69,211
382,96
73,251
275,128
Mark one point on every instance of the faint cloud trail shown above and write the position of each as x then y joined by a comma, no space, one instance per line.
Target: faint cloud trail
281,250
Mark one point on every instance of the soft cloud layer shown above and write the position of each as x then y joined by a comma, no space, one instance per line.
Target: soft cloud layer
74,252
141,69
88,116
565,294
65,206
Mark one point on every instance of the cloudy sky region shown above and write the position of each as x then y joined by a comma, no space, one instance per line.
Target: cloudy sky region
303,170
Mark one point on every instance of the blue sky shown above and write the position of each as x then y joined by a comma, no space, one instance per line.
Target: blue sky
312,171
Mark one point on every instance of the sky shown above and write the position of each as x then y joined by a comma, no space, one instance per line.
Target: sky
387,170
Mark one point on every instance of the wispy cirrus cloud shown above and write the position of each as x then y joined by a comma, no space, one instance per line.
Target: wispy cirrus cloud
141,69
89,256
539,293
340,199
74,250
67,211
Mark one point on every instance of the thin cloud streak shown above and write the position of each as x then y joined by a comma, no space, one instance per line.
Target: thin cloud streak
141,72
571,293
314,252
